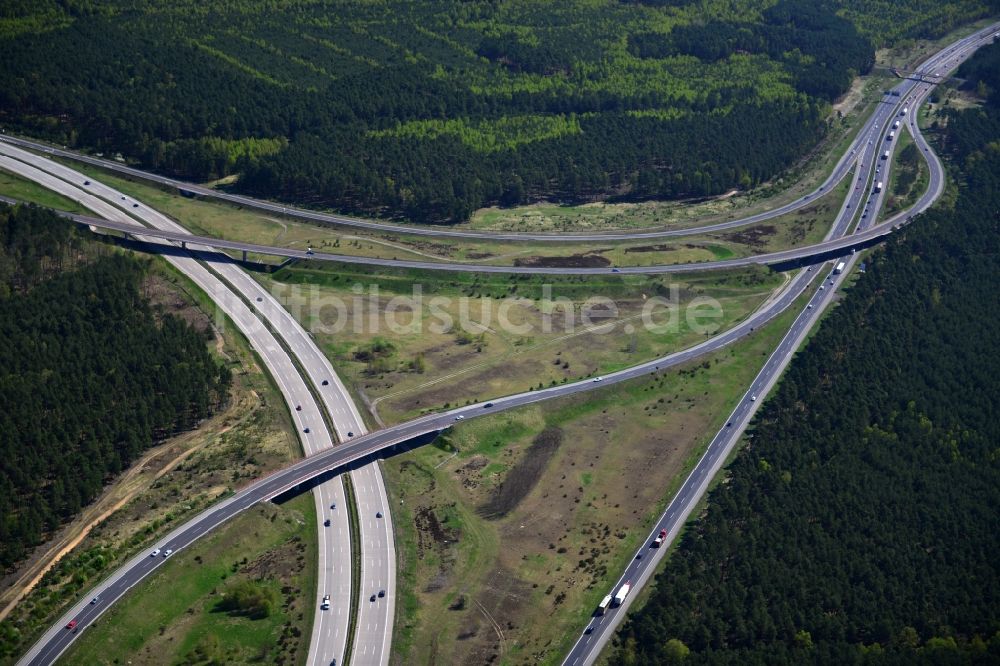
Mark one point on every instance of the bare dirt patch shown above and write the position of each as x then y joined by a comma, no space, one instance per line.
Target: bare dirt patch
524,475
588,260
755,237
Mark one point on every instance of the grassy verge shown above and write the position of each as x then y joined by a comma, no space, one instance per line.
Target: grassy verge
467,338
352,517
497,571
908,179
179,613
12,185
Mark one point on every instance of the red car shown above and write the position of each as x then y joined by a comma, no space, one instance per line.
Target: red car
71,625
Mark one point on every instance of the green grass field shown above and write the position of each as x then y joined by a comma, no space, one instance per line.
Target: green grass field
173,616
15,187
518,588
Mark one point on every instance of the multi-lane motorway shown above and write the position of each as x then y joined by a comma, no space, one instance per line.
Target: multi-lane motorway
229,286
371,444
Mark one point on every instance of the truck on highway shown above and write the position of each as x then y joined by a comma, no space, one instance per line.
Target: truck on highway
839,269
658,541
603,606
903,112
622,593
895,125
878,186
892,135
885,155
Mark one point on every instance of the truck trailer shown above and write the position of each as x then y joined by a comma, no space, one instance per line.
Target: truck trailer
878,186
839,269
622,593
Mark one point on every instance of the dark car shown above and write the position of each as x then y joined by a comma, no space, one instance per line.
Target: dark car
378,514
298,408
487,405
350,433
305,430
589,629
135,205
372,598
326,382
381,593
326,523
86,182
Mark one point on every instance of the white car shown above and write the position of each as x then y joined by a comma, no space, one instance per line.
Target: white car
598,379
156,551
326,602
753,398
168,552
460,417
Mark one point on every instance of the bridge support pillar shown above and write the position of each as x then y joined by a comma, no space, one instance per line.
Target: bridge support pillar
244,256
184,244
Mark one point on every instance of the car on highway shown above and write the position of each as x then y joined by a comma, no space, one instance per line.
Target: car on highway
71,625
168,552
305,430
598,379
589,629
378,514
753,398
298,408
326,602
156,551
326,382
810,306
86,182
93,602
381,593
326,523
372,599
487,405
615,270
460,417
638,556
350,433
135,205
259,299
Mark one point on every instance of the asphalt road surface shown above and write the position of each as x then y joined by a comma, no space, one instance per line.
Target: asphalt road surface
382,441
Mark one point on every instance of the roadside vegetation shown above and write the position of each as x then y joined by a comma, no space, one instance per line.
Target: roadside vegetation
248,436
908,178
524,519
241,594
883,409
469,337
15,187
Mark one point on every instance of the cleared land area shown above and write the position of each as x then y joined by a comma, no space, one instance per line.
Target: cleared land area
523,519
410,341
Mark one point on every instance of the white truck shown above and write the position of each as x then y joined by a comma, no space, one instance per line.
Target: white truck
658,541
903,112
603,606
622,593
892,135
895,125
885,155
839,269
878,186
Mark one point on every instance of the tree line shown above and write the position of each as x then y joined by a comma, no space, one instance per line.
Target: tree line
90,374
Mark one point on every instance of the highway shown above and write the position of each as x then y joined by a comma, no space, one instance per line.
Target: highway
378,443
289,382
334,577
329,628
